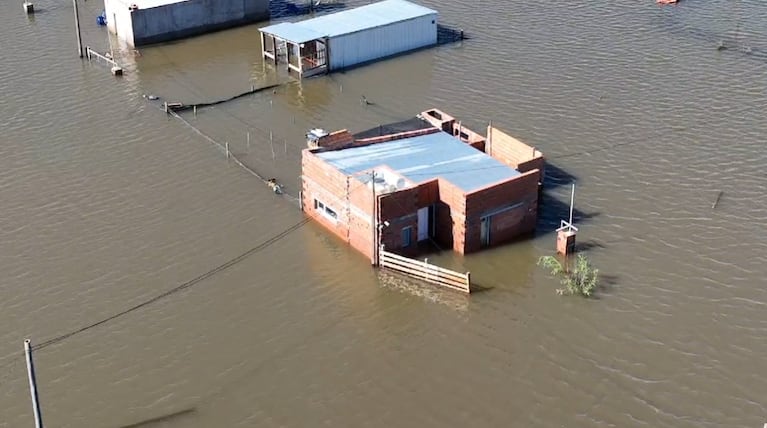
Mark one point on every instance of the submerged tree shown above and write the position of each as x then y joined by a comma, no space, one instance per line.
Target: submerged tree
581,278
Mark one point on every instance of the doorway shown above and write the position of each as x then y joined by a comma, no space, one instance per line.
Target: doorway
423,224
484,231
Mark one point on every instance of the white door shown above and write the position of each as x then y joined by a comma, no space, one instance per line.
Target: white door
423,224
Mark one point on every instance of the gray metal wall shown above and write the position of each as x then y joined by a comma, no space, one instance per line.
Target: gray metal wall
188,18
379,42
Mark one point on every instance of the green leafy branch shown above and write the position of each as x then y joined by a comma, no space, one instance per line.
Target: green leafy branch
579,279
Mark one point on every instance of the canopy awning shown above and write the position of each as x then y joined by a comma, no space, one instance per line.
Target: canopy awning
292,32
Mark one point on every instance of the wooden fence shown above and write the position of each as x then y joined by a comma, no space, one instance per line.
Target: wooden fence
426,272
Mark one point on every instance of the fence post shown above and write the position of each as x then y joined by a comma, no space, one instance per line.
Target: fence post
271,143
468,282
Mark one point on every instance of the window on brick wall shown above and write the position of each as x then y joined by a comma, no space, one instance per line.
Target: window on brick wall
325,210
407,236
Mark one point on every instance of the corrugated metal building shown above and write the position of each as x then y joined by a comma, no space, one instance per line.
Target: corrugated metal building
351,37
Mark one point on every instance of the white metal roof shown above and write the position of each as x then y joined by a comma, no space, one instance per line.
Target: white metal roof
349,21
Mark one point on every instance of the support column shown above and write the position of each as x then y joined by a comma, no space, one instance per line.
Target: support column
274,45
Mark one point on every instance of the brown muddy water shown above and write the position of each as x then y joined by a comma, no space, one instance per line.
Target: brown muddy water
106,203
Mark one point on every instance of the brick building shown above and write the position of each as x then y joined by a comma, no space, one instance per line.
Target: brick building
426,179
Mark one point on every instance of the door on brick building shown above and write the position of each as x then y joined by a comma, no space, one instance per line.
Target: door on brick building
424,228
484,231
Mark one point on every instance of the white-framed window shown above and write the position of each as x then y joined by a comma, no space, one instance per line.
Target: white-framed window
325,210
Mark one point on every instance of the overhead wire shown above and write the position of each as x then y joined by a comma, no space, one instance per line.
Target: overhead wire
258,248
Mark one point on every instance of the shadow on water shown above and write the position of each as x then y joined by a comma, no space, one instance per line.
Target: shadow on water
160,419
284,8
607,283
447,34
591,244
555,177
552,210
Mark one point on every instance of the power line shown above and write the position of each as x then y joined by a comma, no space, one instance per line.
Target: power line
181,287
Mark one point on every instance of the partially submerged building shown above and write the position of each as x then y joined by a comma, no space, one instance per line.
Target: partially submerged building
429,179
344,39
142,22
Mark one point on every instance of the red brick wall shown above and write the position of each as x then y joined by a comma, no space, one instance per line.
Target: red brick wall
323,182
514,153
509,224
443,230
451,217
336,140
439,119
468,136
400,209
458,215
392,137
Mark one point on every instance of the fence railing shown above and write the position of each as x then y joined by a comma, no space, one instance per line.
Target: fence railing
425,271
115,67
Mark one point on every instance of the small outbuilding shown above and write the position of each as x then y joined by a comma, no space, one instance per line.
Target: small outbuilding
143,22
427,180
351,37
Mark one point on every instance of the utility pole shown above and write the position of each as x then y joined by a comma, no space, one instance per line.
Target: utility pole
33,384
572,204
373,222
77,30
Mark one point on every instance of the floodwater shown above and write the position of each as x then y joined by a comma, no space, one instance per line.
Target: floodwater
106,204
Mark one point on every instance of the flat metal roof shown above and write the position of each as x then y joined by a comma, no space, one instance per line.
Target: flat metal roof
424,158
349,21
292,32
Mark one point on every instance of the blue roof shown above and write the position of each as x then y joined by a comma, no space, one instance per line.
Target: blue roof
424,158
349,21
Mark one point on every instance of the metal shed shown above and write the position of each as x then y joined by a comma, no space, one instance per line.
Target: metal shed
350,37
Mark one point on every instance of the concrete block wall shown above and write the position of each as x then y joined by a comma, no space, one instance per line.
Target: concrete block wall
336,140
392,137
439,119
400,209
520,194
443,229
511,204
468,136
451,216
344,195
344,140
514,153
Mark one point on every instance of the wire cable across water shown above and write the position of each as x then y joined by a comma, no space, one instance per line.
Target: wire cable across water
260,247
